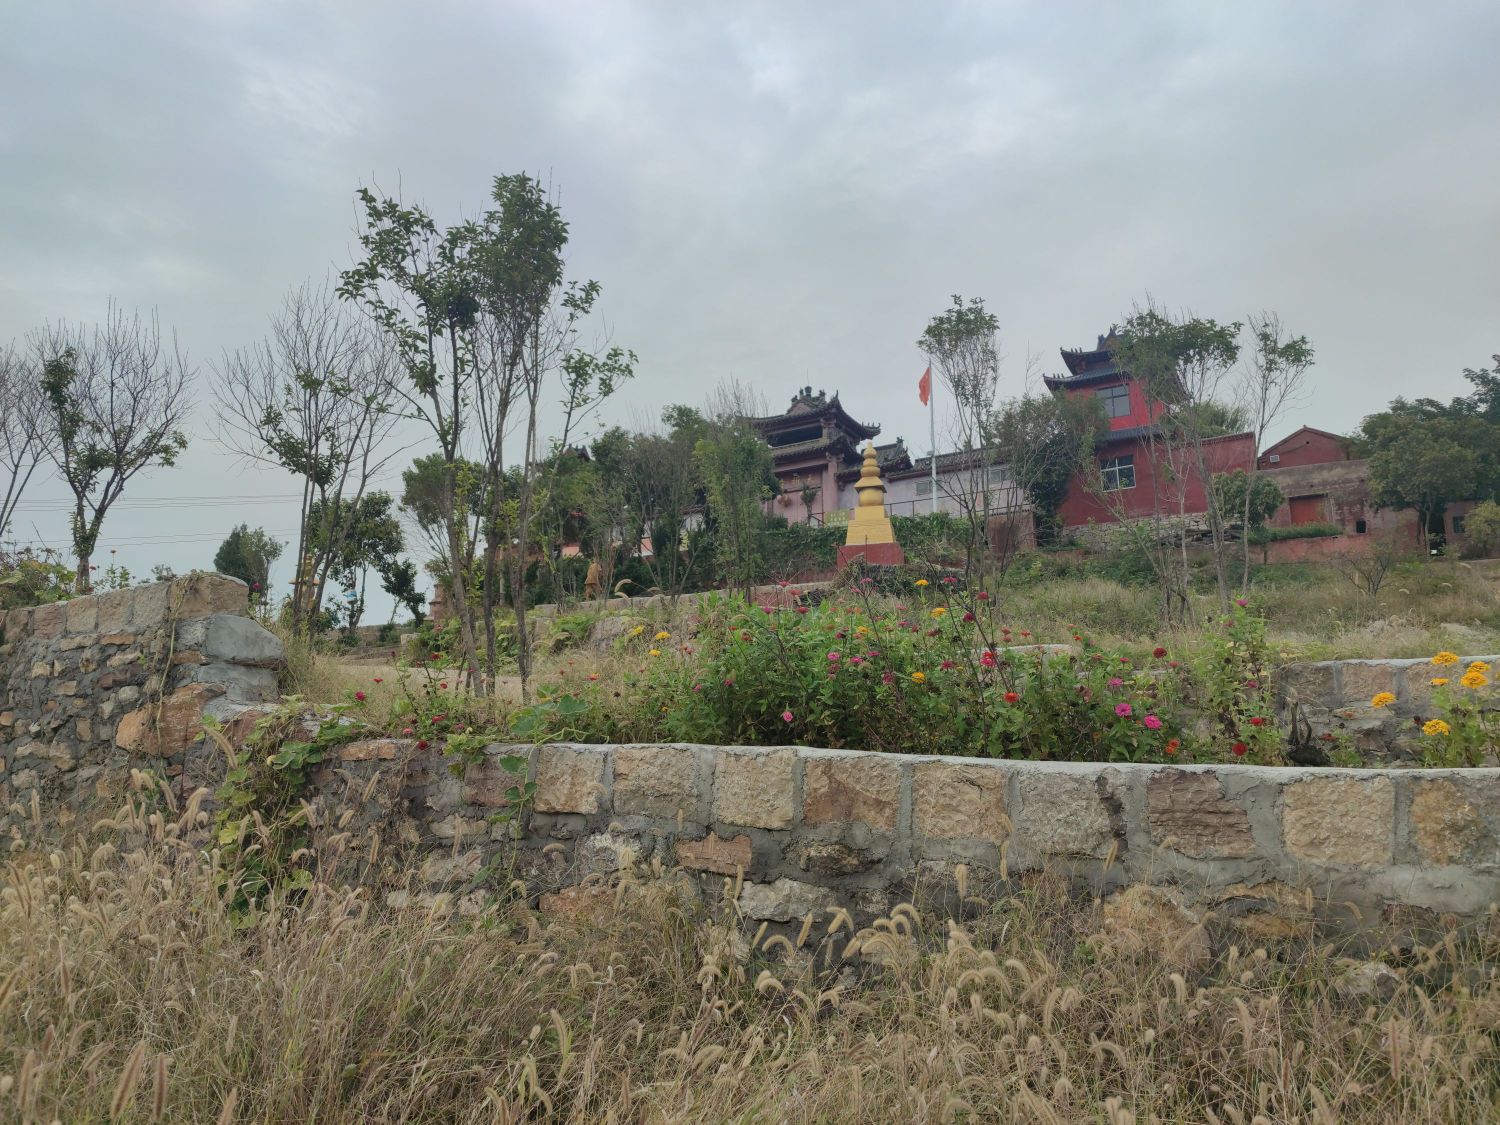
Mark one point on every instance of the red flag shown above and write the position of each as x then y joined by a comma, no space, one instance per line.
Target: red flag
924,386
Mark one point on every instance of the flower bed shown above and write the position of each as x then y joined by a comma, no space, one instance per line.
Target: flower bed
936,672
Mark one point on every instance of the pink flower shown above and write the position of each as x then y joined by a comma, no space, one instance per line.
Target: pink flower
987,658
856,660
697,687
1152,722
887,678
787,716
982,596
378,680
359,695
947,666
968,615
1241,602
1122,710
729,681
1115,681
766,610
406,731
833,658
801,609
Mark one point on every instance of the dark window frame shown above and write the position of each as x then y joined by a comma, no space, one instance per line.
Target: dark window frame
1119,469
1115,400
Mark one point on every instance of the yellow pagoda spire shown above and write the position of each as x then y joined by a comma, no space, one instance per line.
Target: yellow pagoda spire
869,524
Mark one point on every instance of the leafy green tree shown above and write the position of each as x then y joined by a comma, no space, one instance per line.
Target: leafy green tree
1264,497
739,477
116,399
373,541
1482,527
1041,438
248,555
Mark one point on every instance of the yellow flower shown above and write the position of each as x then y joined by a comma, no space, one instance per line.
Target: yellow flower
939,611
1434,726
637,631
662,636
922,582
1438,681
654,652
1479,666
1445,657
861,630
1383,699
1472,679
919,677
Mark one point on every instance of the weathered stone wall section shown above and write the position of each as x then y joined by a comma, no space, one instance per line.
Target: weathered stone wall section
96,686
811,829
1332,697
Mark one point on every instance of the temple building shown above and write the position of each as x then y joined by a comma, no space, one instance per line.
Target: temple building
816,450
1132,466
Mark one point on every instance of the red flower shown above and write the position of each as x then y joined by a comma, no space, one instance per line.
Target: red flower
1012,697
1257,721
801,609
947,666
359,695
987,659
982,596
421,744
1172,745
378,680
968,615
1158,652
406,731
1239,749
444,685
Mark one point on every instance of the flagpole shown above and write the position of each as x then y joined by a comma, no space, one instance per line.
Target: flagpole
932,434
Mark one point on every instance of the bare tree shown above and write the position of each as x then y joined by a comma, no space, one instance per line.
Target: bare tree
23,430
314,398
116,398
1274,374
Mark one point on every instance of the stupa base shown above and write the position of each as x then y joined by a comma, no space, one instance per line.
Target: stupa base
873,554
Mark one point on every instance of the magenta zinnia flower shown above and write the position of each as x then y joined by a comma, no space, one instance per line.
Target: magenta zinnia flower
787,716
1122,710
1152,722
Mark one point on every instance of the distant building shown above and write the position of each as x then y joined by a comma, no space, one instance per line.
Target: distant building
1307,446
1131,464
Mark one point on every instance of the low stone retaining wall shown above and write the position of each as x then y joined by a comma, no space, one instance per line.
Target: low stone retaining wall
812,829
96,685
1321,702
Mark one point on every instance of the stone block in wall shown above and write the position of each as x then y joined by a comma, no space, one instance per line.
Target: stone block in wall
1189,813
112,612
569,780
714,853
833,859
839,788
169,728
1307,683
17,624
959,801
659,781
1457,821
1362,680
1415,686
1063,813
82,615
486,783
1343,820
785,900
372,750
47,620
754,788
206,594
232,639
240,683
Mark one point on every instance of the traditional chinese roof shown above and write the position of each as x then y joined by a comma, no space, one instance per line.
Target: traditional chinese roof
807,407
1088,366
891,457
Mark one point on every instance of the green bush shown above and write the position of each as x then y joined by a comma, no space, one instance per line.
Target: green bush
1296,531
935,673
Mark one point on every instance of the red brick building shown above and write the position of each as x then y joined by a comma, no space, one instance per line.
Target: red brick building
1132,465
1307,446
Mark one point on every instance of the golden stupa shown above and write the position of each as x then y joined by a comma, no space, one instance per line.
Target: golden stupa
870,534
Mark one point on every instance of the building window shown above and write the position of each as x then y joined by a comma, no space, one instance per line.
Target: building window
1118,472
1359,527
924,486
1116,402
998,476
1458,525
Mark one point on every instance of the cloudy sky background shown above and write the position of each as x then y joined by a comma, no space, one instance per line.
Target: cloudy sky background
780,193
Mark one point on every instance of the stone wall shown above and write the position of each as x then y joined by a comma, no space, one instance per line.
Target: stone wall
1323,702
811,830
93,687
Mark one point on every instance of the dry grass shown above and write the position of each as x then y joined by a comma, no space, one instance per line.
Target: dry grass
129,991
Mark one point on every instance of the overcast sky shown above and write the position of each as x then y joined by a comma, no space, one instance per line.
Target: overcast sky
782,193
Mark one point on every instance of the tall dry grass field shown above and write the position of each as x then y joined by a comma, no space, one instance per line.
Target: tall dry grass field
130,991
